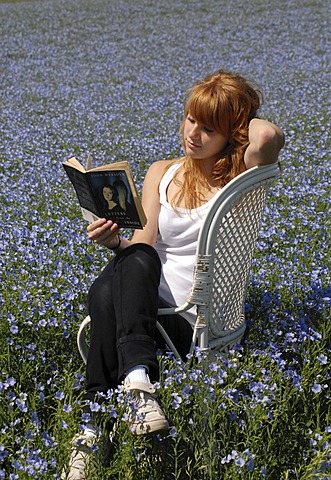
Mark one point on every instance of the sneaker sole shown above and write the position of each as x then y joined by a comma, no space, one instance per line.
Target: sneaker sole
140,428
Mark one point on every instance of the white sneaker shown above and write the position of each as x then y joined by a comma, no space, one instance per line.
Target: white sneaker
144,414
80,467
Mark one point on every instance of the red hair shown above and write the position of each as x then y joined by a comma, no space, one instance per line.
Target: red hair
226,103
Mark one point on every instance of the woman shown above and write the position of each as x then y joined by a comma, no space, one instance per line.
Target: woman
221,137
110,196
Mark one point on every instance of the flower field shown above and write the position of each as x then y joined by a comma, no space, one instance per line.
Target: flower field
108,77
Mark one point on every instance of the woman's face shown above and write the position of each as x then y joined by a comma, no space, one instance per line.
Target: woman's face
200,142
107,193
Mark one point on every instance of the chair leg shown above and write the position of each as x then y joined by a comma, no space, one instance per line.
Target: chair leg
81,339
168,340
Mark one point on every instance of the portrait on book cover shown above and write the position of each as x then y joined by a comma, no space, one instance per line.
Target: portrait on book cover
114,194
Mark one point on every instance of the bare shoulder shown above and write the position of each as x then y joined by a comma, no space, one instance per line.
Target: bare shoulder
157,169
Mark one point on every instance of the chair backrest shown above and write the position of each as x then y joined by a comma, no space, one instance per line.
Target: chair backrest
226,244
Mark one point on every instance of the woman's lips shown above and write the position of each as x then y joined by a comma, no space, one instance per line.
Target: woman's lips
191,144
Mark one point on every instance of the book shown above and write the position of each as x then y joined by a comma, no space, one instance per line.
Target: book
107,192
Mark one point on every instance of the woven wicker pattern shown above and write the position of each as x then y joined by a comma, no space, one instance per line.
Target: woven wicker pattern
235,240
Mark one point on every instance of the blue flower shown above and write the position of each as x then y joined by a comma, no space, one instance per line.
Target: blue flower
48,440
63,424
95,407
17,464
3,453
14,329
59,395
20,402
173,432
322,358
240,462
177,400
67,408
316,388
86,417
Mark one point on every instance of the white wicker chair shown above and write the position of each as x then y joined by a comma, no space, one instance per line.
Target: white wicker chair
225,248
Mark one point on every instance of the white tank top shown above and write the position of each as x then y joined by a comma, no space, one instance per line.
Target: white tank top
176,246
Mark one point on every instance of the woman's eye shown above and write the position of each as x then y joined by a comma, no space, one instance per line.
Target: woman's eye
208,130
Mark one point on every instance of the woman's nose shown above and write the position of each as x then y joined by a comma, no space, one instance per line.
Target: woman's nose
195,131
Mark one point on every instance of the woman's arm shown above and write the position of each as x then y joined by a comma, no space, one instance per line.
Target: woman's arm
106,232
265,142
151,204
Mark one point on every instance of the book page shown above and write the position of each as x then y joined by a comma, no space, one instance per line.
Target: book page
74,163
82,188
112,166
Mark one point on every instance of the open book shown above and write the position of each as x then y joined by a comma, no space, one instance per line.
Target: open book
106,192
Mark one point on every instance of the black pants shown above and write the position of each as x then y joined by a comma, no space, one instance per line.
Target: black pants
123,303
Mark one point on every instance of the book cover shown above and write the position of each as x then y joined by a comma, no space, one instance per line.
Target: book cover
106,192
